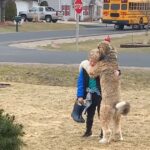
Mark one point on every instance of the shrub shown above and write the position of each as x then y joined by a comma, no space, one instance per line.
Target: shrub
44,3
10,133
10,10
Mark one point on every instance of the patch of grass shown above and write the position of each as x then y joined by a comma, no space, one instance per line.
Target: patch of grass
44,75
55,75
31,27
90,44
135,79
45,110
132,39
83,46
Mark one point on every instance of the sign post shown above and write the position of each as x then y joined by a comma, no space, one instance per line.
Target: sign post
78,10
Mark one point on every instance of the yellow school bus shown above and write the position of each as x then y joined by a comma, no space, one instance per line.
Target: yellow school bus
133,13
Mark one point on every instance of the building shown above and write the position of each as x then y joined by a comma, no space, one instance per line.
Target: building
92,9
25,5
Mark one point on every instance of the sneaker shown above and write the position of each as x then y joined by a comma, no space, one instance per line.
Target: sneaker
87,134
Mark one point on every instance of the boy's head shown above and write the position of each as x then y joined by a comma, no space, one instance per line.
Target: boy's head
93,57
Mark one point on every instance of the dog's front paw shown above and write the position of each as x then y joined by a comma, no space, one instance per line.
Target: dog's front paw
121,139
103,141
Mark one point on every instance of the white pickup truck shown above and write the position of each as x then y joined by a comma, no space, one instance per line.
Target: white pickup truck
42,13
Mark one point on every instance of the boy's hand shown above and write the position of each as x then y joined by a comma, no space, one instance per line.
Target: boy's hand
117,73
80,100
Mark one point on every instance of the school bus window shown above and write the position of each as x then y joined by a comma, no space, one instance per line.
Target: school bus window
148,6
134,6
137,6
106,6
142,8
130,6
124,7
115,6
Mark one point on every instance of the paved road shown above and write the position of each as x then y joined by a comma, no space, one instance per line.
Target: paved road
35,56
18,55
32,36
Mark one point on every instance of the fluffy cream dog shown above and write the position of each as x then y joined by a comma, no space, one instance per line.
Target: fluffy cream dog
111,107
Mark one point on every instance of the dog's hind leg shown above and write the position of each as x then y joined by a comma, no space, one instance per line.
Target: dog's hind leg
117,133
105,119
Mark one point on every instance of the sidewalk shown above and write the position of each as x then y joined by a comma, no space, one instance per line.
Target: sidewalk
93,23
81,22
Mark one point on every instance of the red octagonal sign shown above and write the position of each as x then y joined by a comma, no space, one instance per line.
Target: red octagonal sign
78,6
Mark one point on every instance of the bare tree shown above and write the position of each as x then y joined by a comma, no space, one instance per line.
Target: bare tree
2,10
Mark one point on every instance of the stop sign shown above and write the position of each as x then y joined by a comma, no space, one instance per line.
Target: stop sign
78,6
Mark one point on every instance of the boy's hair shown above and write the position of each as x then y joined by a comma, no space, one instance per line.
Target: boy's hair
94,54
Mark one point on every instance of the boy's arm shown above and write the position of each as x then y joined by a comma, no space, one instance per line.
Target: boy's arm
80,86
117,72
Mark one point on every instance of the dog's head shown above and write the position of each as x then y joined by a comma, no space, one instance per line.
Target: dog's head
105,49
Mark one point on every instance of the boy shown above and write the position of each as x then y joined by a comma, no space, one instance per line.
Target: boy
89,90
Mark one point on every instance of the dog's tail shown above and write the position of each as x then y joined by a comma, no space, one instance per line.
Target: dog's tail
123,108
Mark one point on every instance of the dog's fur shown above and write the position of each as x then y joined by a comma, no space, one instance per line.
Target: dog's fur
111,109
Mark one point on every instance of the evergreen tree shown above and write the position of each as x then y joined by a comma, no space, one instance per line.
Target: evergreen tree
10,133
10,10
44,3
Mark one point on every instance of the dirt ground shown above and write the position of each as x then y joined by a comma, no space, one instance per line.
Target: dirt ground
45,113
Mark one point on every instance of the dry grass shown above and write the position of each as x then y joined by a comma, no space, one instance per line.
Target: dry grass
34,27
45,113
92,43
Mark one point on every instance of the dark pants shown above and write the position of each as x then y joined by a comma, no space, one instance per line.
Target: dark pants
96,100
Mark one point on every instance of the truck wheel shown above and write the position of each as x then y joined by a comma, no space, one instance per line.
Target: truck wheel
24,17
141,24
48,18
54,21
116,27
119,27
29,19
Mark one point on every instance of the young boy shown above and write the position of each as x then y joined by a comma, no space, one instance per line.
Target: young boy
88,89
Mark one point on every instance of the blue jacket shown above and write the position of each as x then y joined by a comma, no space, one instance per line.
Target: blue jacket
82,83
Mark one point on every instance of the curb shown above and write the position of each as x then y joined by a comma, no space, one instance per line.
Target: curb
133,45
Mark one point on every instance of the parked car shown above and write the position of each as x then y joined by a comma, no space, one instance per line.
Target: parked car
42,13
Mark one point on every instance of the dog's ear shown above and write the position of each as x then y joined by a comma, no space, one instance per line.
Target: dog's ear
101,51
98,46
102,56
